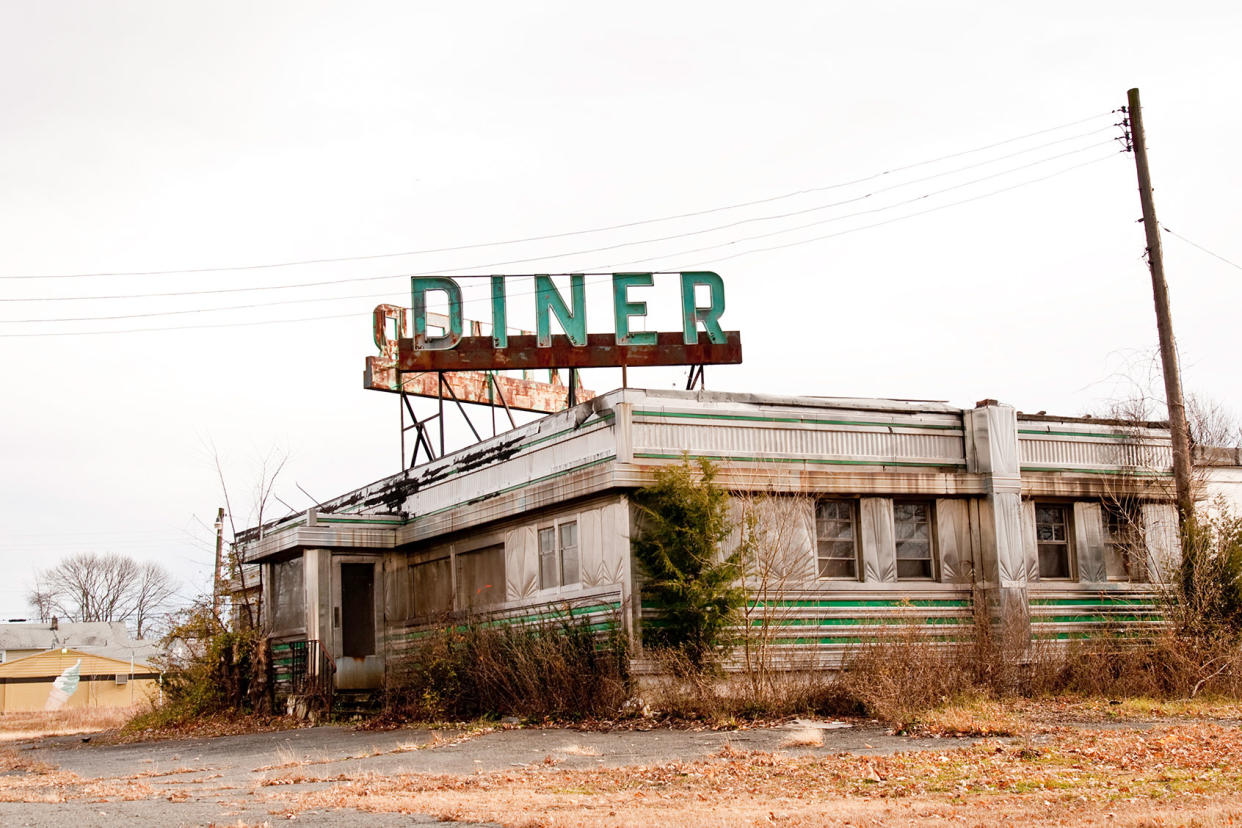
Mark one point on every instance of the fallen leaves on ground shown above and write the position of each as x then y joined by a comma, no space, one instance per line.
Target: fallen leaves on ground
1122,777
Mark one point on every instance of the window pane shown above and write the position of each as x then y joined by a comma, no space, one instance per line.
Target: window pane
569,554
549,572
836,550
1053,561
912,529
836,568
914,549
914,569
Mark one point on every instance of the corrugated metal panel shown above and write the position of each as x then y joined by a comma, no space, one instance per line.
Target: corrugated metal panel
598,607
1075,445
1059,614
852,436
808,629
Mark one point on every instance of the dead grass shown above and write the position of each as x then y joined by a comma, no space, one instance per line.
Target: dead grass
1181,774
221,724
36,724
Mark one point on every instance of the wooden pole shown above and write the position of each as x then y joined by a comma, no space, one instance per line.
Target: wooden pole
217,581
1164,321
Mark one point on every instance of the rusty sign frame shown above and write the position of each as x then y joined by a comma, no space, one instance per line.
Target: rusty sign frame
415,365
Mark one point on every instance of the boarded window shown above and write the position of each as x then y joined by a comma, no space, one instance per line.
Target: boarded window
836,539
288,595
481,577
431,587
1052,540
913,533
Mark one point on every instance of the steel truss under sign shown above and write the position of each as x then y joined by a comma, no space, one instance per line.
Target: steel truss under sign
465,368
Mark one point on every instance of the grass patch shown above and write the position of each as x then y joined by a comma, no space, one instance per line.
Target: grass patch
36,724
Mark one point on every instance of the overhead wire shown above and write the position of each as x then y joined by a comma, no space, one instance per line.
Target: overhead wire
883,208
893,220
554,236
1201,247
617,246
793,243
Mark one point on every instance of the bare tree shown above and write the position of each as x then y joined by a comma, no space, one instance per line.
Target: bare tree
94,587
270,467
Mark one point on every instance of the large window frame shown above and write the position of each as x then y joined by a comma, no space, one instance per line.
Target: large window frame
1125,552
836,533
559,555
914,535
1054,541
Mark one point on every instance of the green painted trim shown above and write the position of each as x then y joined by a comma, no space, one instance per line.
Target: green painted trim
814,460
596,426
878,602
551,615
1086,602
1094,618
1120,472
380,521
862,622
1109,435
610,458
687,415
838,640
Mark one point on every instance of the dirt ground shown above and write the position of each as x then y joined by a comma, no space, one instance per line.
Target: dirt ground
1059,766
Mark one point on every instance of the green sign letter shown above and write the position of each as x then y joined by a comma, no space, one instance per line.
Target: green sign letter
548,300
500,330
419,285
691,314
623,308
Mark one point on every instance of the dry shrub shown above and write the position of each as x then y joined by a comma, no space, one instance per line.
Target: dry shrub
563,668
678,690
1166,666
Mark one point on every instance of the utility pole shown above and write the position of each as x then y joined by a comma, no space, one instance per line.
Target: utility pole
216,583
1164,321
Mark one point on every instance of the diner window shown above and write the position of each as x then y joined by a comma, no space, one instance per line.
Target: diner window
912,524
288,595
558,555
1052,540
836,539
1124,553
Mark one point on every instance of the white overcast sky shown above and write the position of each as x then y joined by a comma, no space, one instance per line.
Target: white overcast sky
165,136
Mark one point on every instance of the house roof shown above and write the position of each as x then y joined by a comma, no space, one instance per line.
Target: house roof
95,661
67,634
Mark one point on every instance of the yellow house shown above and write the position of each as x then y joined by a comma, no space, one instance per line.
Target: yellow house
109,678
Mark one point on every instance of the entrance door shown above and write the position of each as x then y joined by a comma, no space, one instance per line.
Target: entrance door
357,666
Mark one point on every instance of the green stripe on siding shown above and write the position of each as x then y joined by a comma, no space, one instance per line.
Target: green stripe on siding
1086,602
812,460
1067,470
688,415
1106,434
1094,618
550,615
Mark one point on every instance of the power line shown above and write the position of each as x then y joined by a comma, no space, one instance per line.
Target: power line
1201,247
870,212
795,243
884,208
552,236
899,218
618,246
